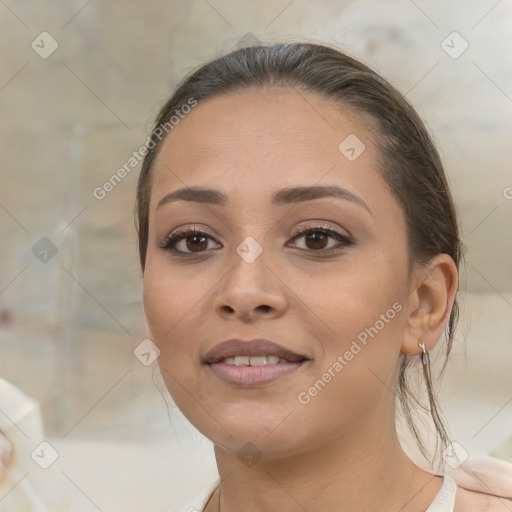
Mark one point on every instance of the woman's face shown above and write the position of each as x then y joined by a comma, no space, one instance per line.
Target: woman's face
336,295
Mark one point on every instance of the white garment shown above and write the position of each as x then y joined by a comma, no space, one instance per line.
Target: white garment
27,486
443,502
196,504
445,499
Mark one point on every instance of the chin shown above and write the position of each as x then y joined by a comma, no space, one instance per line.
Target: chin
273,434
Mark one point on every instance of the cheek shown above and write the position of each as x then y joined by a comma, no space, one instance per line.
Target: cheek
358,293
365,312
171,304
171,297
359,367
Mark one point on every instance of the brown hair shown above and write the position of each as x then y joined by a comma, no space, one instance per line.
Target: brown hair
409,163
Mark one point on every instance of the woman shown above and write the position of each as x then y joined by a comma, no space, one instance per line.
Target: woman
300,251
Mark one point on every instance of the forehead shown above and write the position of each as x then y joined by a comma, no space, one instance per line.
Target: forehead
262,138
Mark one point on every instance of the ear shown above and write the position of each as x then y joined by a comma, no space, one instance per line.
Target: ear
430,302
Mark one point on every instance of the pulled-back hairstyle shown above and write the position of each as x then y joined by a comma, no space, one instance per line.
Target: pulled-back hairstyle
409,161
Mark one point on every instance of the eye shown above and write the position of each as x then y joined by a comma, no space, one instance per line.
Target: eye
316,238
187,241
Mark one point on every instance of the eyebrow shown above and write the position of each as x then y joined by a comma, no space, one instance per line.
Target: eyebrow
281,197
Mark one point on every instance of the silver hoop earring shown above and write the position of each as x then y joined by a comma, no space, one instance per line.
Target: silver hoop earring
423,352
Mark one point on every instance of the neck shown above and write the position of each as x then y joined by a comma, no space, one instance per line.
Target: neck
364,471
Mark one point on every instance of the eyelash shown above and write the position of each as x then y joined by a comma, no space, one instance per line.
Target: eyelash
344,240
183,233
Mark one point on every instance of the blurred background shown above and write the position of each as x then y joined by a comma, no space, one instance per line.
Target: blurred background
80,84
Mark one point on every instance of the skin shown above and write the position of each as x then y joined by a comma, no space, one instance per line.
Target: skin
340,451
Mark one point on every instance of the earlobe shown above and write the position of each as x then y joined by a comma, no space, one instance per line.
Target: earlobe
430,303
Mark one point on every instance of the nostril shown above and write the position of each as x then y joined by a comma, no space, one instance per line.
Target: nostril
262,307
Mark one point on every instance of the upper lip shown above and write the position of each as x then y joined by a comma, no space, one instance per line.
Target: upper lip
236,347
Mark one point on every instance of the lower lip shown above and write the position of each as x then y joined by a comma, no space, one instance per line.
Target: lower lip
251,376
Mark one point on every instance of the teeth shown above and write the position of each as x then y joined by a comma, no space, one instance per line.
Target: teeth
258,361
254,360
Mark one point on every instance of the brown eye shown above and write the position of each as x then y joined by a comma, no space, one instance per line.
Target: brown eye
196,243
317,239
188,242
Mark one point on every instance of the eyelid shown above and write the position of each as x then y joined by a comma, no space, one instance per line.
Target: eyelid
181,233
312,225
188,229
344,241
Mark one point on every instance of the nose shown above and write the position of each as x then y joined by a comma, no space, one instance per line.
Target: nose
250,291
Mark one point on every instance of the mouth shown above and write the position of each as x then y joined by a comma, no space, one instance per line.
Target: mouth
252,363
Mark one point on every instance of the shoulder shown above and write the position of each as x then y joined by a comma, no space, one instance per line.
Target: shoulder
472,501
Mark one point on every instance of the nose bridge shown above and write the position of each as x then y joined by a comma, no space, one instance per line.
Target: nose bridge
248,267
249,286
250,252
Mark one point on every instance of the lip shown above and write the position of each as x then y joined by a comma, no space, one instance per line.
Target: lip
252,376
